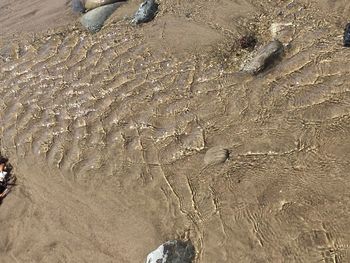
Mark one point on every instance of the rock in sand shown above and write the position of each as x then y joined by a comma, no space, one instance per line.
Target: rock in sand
264,57
94,19
146,12
175,251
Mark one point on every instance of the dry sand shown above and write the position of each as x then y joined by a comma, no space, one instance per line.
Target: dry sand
107,134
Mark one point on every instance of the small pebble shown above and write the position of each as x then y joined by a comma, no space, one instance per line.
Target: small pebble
216,155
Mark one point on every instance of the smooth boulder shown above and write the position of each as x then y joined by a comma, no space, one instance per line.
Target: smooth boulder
94,19
264,57
92,4
175,251
146,12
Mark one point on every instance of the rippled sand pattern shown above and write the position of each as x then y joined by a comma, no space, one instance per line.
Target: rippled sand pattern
108,136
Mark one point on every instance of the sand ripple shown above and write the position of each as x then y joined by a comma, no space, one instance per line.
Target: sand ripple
108,133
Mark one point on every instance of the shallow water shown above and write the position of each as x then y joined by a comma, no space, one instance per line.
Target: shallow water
108,132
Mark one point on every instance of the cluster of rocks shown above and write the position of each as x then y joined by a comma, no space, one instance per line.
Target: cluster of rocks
96,12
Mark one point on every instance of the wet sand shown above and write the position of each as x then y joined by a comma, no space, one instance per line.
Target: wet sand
107,134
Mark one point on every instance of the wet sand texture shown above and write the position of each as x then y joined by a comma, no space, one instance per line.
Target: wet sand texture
33,15
107,133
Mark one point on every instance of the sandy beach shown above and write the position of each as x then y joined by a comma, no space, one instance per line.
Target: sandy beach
108,133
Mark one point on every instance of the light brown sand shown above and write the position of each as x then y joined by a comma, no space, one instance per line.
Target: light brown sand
34,15
107,134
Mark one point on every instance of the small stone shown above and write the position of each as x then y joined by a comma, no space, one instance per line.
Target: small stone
216,155
175,251
94,19
264,57
146,12
347,36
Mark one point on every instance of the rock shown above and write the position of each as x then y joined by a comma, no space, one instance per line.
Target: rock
146,12
175,251
347,36
91,4
94,19
78,6
216,155
264,57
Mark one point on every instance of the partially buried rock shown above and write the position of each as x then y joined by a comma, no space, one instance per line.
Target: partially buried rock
216,155
94,19
146,12
78,6
264,57
91,4
175,251
347,36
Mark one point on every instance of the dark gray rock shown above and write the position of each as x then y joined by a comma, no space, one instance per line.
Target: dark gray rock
94,19
264,57
347,35
146,12
78,6
175,251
